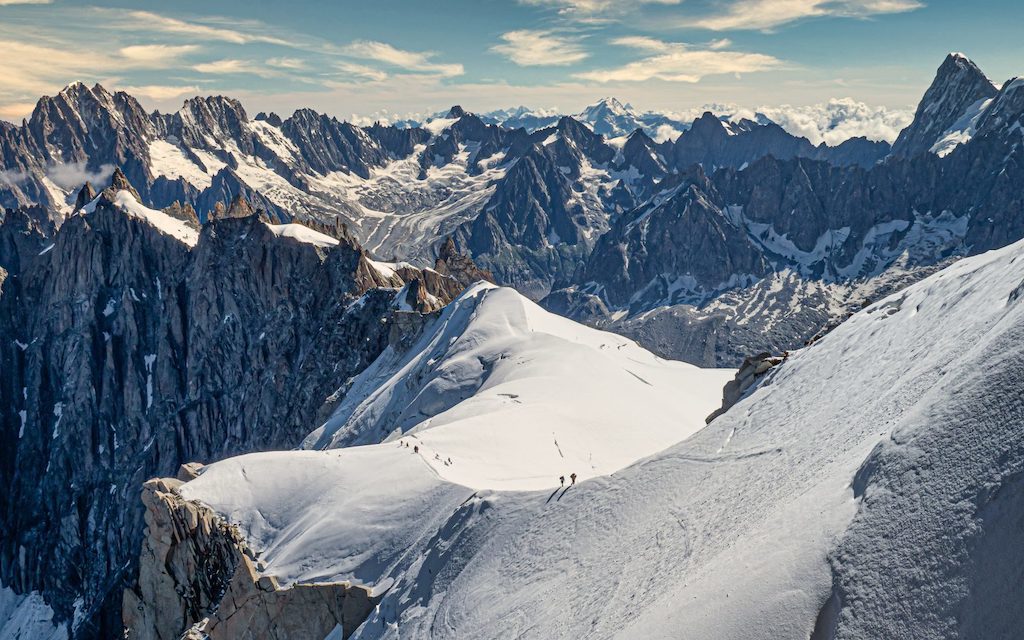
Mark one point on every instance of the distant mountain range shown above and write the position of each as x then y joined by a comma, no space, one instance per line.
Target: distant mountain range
832,122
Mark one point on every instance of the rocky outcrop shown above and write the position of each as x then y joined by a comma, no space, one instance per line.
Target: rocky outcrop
459,266
197,575
750,372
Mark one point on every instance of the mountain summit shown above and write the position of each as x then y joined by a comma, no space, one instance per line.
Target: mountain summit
959,87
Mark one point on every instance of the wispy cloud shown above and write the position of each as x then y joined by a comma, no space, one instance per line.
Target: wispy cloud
161,91
678,62
292,64
767,14
530,48
211,29
11,3
233,66
33,69
14,111
416,61
75,174
360,71
157,55
590,7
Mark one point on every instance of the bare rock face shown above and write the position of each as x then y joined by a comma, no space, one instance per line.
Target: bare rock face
750,372
459,266
126,353
197,576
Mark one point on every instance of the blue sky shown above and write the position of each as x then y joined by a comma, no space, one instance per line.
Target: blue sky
389,56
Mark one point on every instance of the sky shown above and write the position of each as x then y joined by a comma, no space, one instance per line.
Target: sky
391,58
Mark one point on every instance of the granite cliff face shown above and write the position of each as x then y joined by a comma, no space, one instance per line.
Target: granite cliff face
126,351
199,579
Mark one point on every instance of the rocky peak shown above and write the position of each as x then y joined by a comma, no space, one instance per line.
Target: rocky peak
641,151
707,126
83,124
272,119
573,129
85,195
451,262
327,144
1005,111
119,182
456,112
605,106
958,85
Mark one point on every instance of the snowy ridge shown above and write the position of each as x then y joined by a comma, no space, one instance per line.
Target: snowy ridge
519,396
27,616
162,222
510,410
302,234
732,533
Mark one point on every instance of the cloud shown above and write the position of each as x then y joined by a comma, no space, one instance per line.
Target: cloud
75,174
361,71
530,48
156,55
11,3
35,69
232,66
643,43
678,62
293,64
416,61
15,111
766,14
589,7
12,177
214,29
840,119
162,92
30,69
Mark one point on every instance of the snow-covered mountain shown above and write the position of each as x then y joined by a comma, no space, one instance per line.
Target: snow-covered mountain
184,313
947,112
497,395
867,484
762,257
832,122
499,369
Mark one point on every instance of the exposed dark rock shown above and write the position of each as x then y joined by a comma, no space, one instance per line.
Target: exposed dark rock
150,353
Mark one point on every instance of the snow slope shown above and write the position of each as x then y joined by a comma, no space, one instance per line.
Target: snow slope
163,223
513,395
517,396
870,487
302,233
28,617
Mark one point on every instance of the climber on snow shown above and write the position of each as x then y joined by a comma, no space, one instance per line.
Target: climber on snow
572,476
561,480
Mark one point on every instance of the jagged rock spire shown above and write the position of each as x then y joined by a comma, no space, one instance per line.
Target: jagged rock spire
119,182
451,262
85,195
